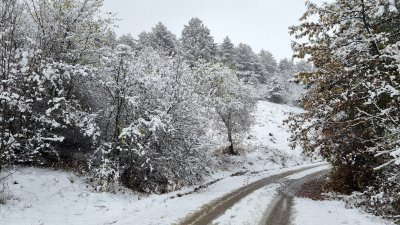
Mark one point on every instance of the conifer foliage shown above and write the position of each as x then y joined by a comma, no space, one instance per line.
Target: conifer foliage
197,42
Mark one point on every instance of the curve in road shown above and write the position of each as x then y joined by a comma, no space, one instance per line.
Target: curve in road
214,209
279,211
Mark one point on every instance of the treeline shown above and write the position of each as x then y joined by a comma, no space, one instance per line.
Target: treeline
353,102
196,44
136,112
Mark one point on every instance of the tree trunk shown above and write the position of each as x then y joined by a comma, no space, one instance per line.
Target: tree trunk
231,149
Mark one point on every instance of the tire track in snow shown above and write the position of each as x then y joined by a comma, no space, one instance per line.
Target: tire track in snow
279,211
216,208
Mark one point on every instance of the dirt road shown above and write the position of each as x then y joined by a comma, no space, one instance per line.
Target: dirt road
214,209
279,210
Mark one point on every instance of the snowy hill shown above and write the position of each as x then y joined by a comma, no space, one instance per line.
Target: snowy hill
267,145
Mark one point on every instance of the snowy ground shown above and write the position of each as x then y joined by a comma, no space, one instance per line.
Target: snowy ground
269,131
269,137
251,209
267,145
308,212
43,196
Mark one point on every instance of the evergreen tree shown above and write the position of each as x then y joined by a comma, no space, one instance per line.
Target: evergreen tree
144,41
247,62
227,52
303,66
286,65
128,40
268,64
159,38
197,42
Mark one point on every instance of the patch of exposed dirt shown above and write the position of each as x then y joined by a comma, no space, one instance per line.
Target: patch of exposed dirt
314,188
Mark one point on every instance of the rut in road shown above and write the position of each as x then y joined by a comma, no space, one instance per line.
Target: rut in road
214,209
279,211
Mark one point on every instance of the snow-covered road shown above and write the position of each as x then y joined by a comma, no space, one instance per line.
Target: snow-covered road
218,207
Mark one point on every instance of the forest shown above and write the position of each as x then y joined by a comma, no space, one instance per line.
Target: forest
131,111
150,112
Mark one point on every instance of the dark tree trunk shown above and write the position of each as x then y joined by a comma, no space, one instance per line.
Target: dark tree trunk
231,149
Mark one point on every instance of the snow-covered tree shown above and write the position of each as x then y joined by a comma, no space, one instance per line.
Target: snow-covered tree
352,105
153,122
230,99
46,47
159,38
247,63
269,64
286,65
303,66
227,52
197,42
127,39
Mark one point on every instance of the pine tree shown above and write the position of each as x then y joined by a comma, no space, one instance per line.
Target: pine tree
159,38
197,42
128,40
227,52
247,63
286,65
268,64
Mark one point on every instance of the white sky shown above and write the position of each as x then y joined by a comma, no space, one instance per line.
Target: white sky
259,23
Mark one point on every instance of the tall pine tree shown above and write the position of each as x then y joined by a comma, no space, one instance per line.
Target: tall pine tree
197,42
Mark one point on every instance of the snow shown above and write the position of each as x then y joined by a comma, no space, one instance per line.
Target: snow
43,196
396,155
251,209
46,196
269,131
307,172
309,212
269,137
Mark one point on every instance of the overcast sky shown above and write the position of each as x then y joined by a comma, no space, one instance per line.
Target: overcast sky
259,23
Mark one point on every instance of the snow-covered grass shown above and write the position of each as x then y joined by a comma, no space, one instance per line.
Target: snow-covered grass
309,212
266,146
